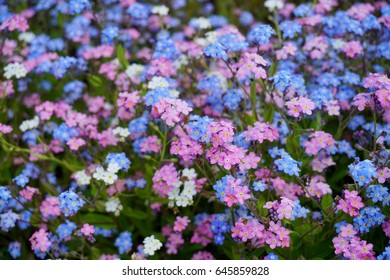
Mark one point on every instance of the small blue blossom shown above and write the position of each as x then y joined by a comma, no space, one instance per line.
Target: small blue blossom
259,186
70,203
362,171
14,249
260,34
5,196
123,242
216,50
21,180
120,159
8,220
290,28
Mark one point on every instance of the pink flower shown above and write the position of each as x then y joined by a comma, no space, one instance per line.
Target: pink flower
318,140
241,193
5,129
261,132
87,230
300,105
347,231
171,110
75,143
28,192
15,22
352,49
383,174
181,223
40,240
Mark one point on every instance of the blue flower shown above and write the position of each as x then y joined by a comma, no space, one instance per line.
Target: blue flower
64,133
70,203
232,43
8,220
378,193
362,171
109,34
260,34
198,128
246,18
65,230
368,217
216,50
25,217
77,6
272,257
5,196
290,28
385,255
259,186
165,48
139,11
281,79
153,96
288,165
14,249
120,159
21,180
299,211
232,98
123,242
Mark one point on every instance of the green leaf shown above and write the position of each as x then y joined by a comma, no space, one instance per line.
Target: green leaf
134,213
94,81
97,219
326,203
269,113
121,55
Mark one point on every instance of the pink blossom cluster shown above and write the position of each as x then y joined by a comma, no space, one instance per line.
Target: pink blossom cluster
319,140
40,240
351,246
171,111
164,179
300,105
261,131
351,204
252,230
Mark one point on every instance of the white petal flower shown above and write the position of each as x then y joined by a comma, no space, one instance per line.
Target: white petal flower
161,10
15,69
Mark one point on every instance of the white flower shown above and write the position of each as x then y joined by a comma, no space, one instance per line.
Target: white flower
26,37
99,173
180,61
273,5
109,178
203,23
189,189
201,42
116,61
15,69
121,132
211,37
174,93
151,245
82,178
182,201
114,205
338,43
189,173
29,124
158,82
134,70
113,167
161,10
